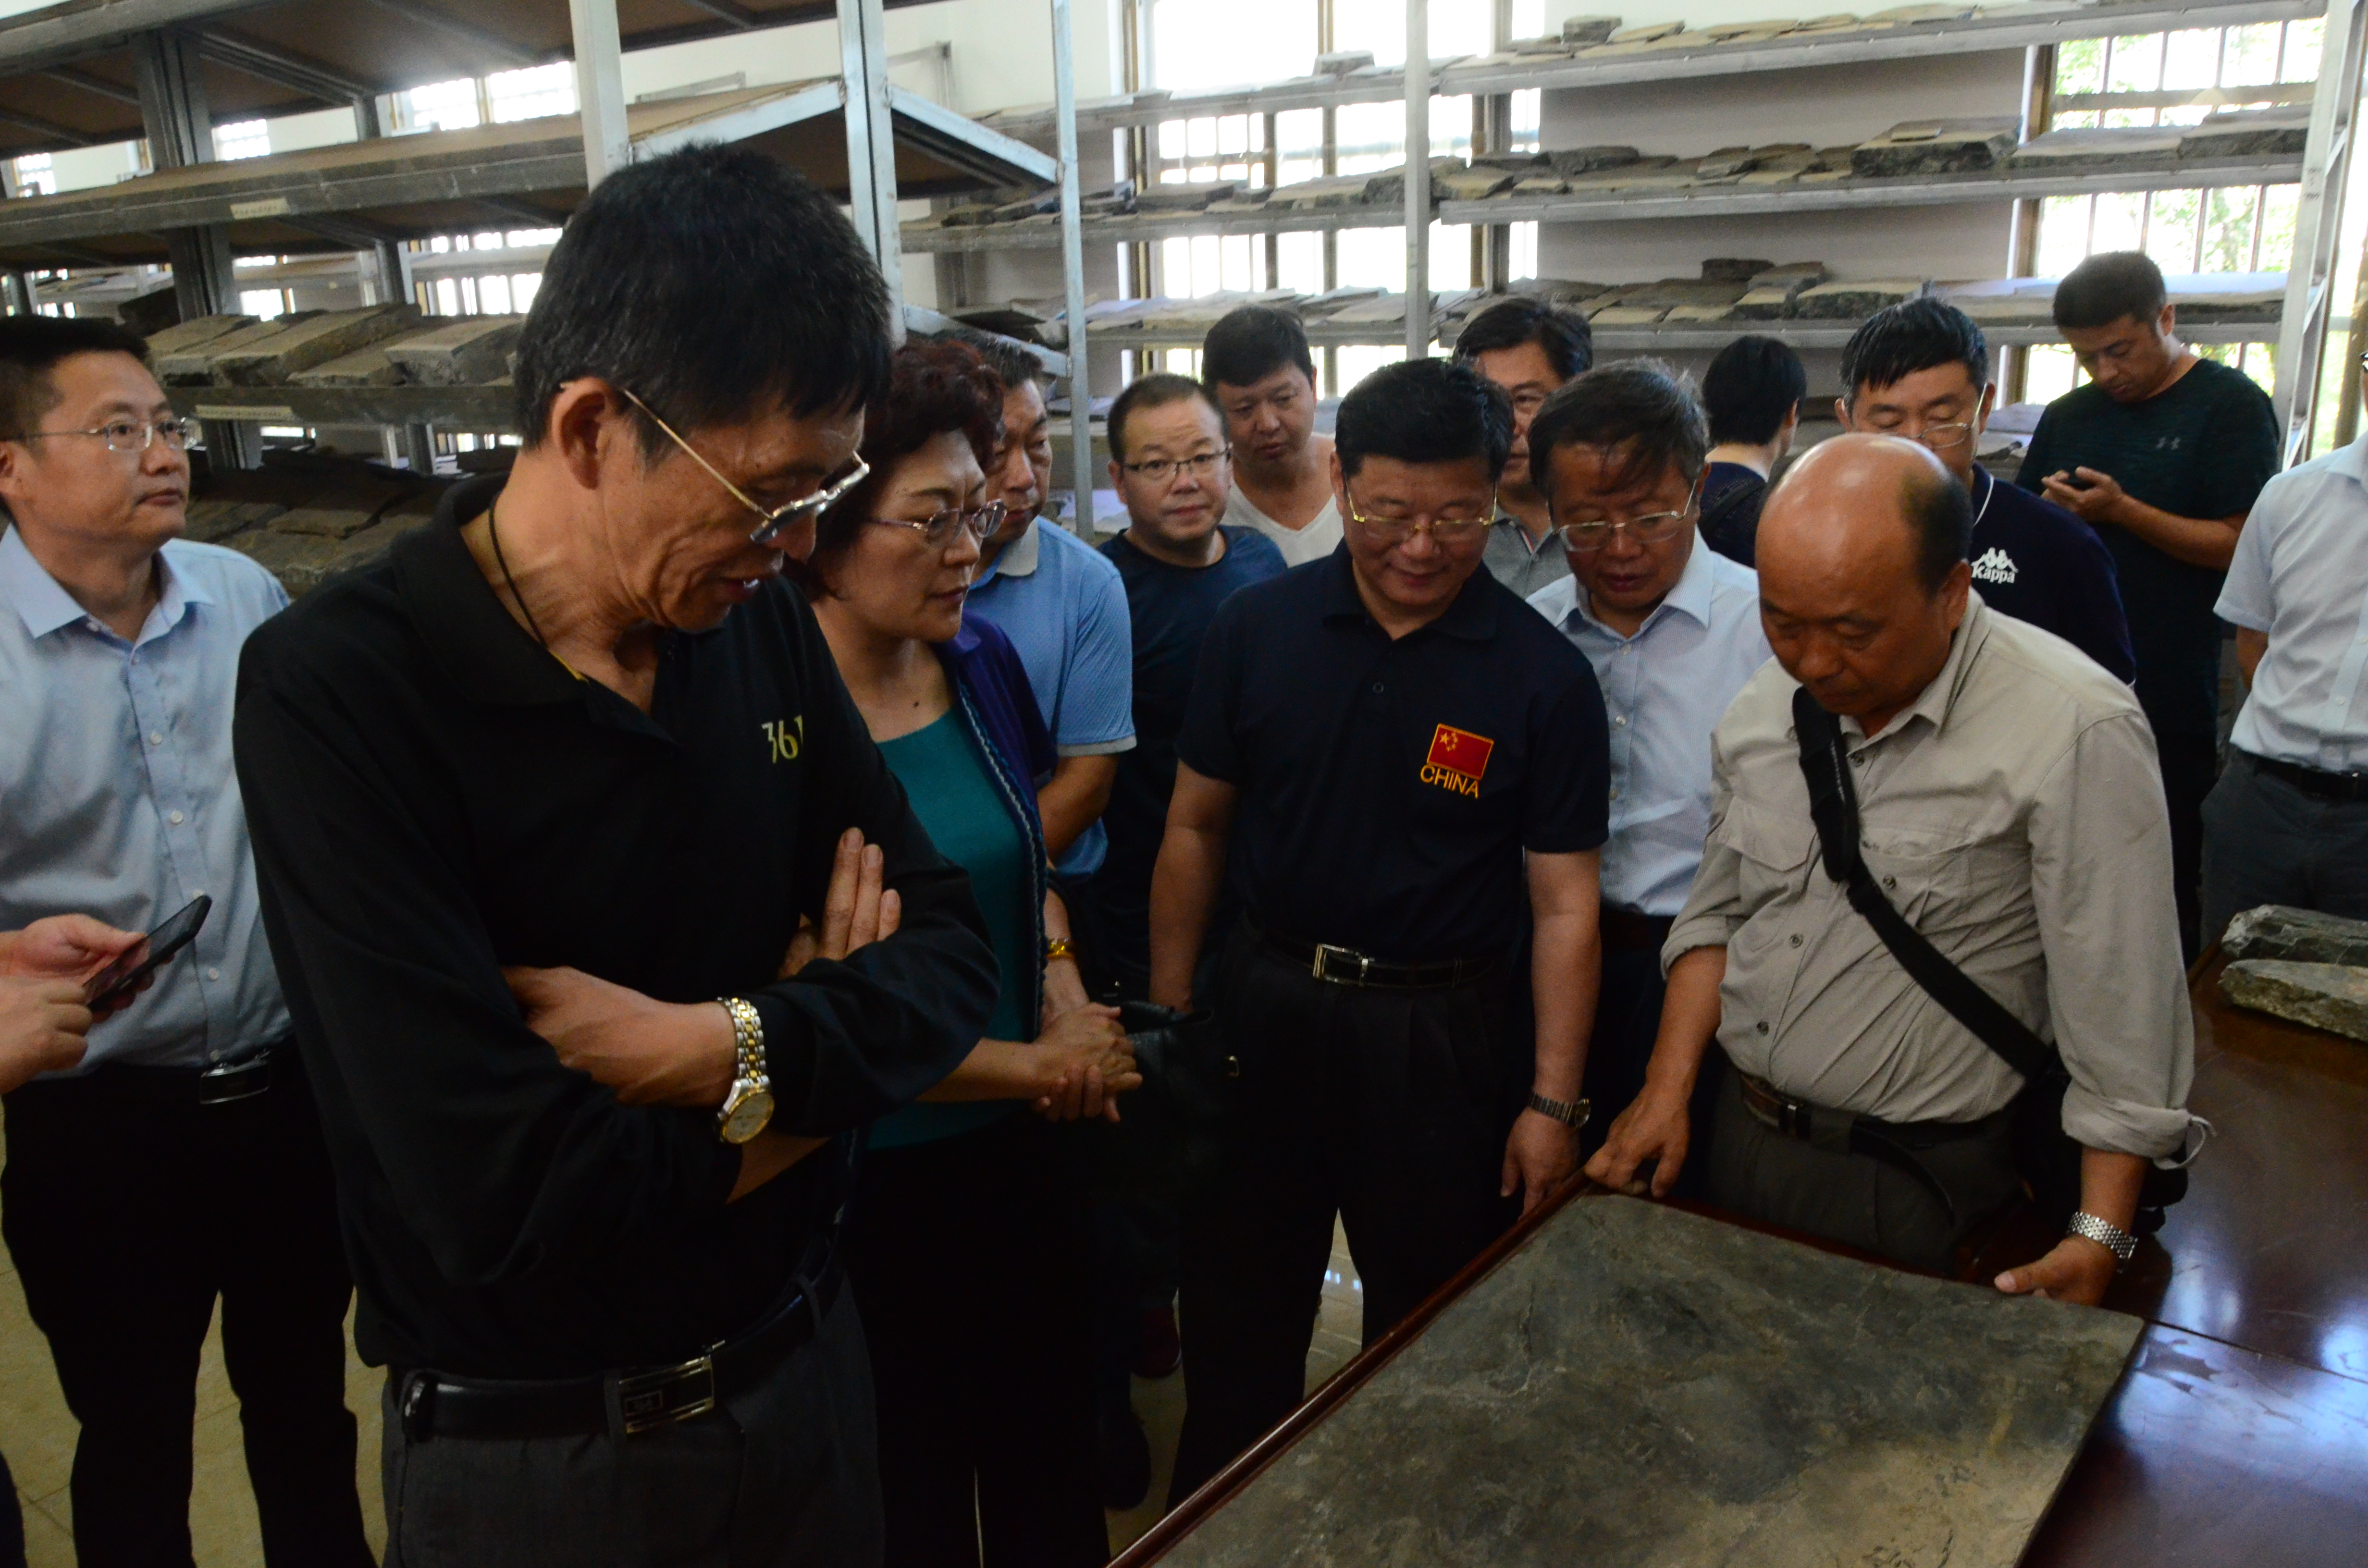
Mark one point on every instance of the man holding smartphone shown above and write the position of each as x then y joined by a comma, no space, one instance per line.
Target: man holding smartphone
180,1160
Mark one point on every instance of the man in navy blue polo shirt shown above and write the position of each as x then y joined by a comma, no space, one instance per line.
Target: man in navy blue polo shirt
1406,766
1922,369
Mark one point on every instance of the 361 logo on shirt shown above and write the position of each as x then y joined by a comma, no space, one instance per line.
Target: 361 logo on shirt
1458,759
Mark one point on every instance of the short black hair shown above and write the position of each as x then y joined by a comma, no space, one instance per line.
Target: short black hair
1007,357
714,285
1750,387
1940,512
1425,410
1562,333
2107,287
1644,407
32,347
1155,390
1251,343
1915,334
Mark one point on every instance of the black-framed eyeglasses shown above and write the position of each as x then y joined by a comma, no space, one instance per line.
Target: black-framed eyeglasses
134,435
940,529
1162,470
1391,532
773,522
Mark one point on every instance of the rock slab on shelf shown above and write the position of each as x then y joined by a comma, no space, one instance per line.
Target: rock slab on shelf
2325,996
1937,147
2262,134
185,336
467,351
2302,936
329,335
1639,1386
1855,299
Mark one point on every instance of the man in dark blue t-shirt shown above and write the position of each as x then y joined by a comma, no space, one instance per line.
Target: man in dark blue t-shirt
1179,564
1922,369
2163,452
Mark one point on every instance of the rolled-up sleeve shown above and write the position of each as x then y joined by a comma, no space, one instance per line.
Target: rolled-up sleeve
2100,881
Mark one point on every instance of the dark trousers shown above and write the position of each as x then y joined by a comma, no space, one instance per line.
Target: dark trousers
1856,1199
1387,1107
1627,1018
971,1256
2266,841
130,1208
2189,763
779,1475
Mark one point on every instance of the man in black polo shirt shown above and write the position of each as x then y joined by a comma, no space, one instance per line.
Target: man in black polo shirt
1408,767
2163,452
1922,369
576,743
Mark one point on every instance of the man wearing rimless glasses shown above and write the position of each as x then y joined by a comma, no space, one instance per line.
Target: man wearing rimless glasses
543,803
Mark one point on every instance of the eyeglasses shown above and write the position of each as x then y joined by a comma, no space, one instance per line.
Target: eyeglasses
1591,534
771,525
134,435
1391,532
1162,470
940,528
1936,438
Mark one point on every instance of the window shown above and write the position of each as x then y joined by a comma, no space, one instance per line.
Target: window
248,139
533,93
35,176
444,106
2161,79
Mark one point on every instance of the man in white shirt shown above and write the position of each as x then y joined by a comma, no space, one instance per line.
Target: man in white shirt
182,1159
1672,628
1256,364
2288,820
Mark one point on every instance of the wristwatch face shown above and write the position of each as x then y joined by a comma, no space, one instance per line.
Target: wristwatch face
746,1113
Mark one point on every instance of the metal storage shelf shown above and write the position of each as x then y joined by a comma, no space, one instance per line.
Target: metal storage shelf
1904,41
523,173
1613,206
1698,335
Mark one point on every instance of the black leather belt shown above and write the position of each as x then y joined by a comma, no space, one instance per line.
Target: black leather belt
226,1083
1346,966
1630,930
624,1404
2344,787
1841,1131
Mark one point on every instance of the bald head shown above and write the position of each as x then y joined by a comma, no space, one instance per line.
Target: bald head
1862,574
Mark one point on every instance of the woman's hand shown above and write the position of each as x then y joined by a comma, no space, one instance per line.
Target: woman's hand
1086,1061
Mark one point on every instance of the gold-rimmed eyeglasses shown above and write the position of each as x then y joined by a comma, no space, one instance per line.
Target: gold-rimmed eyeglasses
1588,535
1392,532
133,434
773,522
940,528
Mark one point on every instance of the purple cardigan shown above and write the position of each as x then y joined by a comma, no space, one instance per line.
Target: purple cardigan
992,690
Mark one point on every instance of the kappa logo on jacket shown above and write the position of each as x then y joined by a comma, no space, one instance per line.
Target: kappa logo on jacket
1994,565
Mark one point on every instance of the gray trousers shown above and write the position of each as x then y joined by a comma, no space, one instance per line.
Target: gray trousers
782,1475
1854,1198
2266,842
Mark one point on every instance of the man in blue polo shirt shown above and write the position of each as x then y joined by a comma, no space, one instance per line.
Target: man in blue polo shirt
1065,610
1922,369
1404,766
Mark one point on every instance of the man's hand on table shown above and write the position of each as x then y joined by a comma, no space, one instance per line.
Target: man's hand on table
1541,1155
2077,1271
1653,1129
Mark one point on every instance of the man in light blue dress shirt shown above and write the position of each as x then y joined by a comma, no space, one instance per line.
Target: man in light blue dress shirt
181,1160
1672,628
2288,820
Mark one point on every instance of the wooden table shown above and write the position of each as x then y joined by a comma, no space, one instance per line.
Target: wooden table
2239,1436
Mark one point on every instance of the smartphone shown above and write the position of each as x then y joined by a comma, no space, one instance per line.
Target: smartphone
116,979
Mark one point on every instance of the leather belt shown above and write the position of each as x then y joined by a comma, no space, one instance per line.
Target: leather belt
226,1083
1346,966
1630,930
1843,1132
623,1405
2344,787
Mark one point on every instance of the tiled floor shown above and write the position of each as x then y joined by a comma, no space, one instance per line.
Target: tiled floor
37,1435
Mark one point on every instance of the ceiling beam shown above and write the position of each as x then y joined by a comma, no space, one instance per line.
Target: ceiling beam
739,16
499,53
49,128
99,86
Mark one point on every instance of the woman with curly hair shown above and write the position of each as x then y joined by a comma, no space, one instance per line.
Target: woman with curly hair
968,1244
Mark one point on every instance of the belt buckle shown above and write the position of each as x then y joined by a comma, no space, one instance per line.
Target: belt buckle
1792,1117
233,1081
647,1400
1326,951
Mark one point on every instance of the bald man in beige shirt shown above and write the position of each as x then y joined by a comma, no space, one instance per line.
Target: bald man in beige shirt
2010,807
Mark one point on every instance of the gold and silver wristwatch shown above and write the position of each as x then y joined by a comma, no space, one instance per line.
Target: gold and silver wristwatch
748,1105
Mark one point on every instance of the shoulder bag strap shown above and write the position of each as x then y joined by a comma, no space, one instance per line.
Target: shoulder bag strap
1833,805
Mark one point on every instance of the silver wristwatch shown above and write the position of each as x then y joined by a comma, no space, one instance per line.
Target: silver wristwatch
2106,1234
748,1104
1572,1114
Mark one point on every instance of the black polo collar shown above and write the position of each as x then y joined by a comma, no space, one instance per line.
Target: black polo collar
1472,617
479,647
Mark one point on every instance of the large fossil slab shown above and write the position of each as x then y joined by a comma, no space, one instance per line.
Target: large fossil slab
1937,147
2324,996
2304,936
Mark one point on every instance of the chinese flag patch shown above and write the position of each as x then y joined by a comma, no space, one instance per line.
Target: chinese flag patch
1460,751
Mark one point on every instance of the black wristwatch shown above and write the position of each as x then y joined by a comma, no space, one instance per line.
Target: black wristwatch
1572,1114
